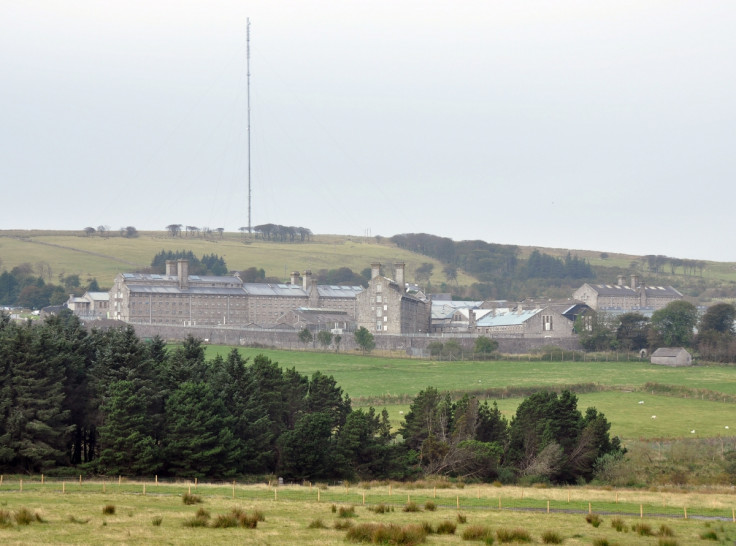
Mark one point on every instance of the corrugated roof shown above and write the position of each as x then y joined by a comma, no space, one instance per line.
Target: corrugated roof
193,290
326,291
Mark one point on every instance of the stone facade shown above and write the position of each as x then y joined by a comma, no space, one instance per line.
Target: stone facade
385,307
542,322
619,297
92,305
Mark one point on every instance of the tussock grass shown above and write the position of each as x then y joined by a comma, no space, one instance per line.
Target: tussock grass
709,535
108,509
347,512
446,528
411,507
23,516
191,498
222,521
594,519
462,518
73,519
603,542
430,506
477,532
513,535
551,537
379,533
342,525
156,521
643,529
6,520
619,525
667,542
317,524
665,531
381,508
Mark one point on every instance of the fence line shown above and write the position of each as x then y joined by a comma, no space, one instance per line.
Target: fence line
467,499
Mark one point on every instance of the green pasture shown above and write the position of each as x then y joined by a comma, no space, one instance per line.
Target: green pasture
104,257
392,383
76,516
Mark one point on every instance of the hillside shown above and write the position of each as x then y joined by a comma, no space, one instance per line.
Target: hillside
69,253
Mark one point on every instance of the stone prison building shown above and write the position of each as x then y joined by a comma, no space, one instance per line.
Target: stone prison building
177,298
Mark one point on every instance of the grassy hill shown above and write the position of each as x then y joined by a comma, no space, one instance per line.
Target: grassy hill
72,252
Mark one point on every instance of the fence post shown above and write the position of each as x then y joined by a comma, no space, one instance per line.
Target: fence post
685,509
457,500
21,485
590,508
548,507
641,511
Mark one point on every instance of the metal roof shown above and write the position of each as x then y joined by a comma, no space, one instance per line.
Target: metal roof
333,291
193,290
512,318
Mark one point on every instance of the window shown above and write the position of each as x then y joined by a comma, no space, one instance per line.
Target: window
378,326
547,323
378,298
379,287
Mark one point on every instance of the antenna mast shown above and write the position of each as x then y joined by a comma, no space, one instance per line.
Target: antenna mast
247,39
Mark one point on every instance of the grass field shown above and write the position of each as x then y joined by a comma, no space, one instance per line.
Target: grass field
393,382
103,258
76,516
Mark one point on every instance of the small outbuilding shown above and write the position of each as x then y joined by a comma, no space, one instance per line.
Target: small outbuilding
672,356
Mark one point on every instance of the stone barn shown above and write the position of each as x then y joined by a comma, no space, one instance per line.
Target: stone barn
676,356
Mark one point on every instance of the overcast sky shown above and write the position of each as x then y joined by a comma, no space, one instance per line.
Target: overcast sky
570,124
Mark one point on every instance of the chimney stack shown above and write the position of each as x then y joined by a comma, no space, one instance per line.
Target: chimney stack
307,283
295,277
375,270
621,280
399,268
183,273
170,268
634,281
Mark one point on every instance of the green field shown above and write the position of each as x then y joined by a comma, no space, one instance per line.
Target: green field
103,258
76,515
393,382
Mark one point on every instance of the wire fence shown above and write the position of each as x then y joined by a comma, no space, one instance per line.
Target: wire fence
552,500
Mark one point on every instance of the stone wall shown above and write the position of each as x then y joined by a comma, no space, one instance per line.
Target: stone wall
414,345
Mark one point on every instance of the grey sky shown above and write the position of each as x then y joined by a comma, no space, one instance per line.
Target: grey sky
584,125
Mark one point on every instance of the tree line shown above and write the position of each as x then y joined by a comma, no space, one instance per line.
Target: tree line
208,264
27,285
111,403
679,324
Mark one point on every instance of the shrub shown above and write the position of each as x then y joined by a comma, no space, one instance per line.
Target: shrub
411,507
550,537
513,535
594,519
643,529
347,512
477,532
191,498
156,521
430,506
619,525
446,528
108,509
317,524
462,518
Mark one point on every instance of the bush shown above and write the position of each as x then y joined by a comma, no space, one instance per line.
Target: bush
108,509
550,537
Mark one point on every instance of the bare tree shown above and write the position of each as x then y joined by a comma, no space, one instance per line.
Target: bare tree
89,230
103,231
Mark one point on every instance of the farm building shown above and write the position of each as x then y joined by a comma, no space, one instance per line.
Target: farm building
672,357
620,297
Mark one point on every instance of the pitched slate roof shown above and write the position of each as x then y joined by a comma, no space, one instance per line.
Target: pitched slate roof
511,318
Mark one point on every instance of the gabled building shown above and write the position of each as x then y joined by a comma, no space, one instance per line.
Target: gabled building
540,322
622,298
92,305
386,308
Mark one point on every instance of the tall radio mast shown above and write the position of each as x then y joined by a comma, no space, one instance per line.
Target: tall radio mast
247,39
